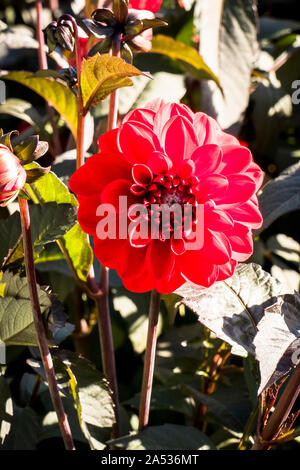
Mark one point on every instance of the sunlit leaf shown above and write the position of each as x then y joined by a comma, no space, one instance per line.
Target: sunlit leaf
165,437
101,75
189,58
233,308
53,91
91,396
16,319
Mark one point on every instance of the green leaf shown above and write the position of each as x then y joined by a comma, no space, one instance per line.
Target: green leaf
233,308
54,92
134,310
278,339
280,196
91,396
219,408
49,222
10,233
6,410
285,247
24,110
228,43
165,437
77,250
271,109
25,431
16,319
101,75
49,189
179,355
189,58
167,398
74,244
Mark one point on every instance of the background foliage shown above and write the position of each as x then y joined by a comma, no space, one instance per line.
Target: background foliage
207,374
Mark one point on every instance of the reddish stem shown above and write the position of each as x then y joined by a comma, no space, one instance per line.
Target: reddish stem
104,321
149,360
281,412
43,63
80,113
39,326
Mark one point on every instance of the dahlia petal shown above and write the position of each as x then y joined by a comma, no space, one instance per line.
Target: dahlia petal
168,111
216,248
160,259
151,5
179,139
142,283
159,163
178,246
110,252
207,159
133,264
203,128
135,238
170,284
235,159
257,174
226,270
99,170
212,187
196,268
112,192
108,142
137,142
241,188
86,214
186,169
218,220
143,115
248,214
241,242
155,105
142,174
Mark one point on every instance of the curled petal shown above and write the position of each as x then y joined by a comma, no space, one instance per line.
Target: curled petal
137,142
207,159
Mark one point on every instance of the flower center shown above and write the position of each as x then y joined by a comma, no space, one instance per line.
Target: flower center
174,192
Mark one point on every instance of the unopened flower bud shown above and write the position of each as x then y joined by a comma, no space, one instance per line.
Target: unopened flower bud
12,176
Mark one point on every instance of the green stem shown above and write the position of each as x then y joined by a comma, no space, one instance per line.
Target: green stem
249,428
281,412
40,330
149,360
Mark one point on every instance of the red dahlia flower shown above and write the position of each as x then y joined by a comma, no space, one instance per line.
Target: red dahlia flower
12,176
150,5
164,154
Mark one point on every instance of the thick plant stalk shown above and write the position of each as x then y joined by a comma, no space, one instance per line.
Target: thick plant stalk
80,113
104,320
281,412
43,63
40,330
100,295
149,360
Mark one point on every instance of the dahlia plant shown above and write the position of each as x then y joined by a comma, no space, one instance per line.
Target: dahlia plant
148,211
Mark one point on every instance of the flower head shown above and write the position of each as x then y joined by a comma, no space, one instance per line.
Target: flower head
12,176
165,155
132,22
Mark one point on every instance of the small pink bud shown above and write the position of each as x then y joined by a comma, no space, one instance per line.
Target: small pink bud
12,176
